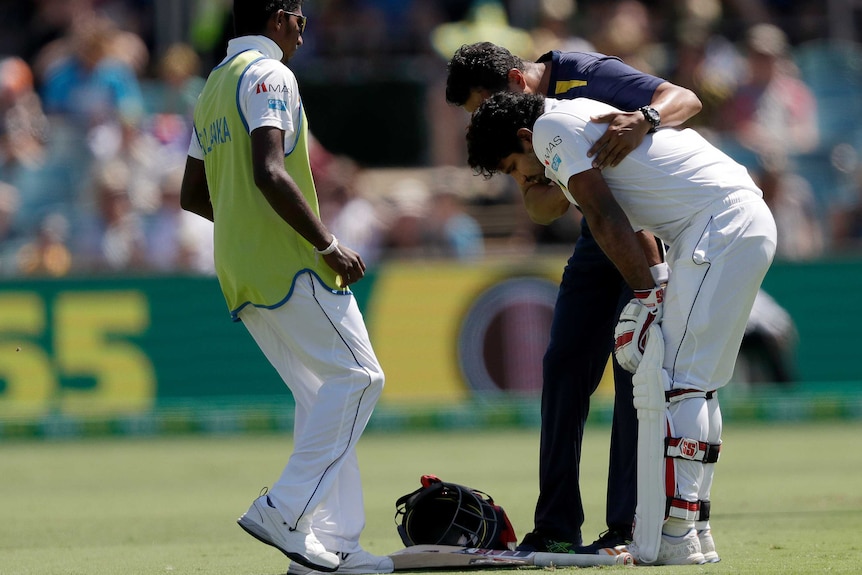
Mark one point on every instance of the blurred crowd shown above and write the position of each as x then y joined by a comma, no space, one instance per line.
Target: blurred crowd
96,101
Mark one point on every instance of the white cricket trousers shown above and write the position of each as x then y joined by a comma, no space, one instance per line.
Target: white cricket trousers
716,271
318,343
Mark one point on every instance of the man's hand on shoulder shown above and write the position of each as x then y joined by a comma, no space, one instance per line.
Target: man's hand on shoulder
626,131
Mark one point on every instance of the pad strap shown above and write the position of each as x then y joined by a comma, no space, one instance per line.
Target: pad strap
691,449
713,453
682,509
679,394
704,510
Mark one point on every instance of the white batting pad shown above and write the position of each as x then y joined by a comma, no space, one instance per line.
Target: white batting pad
649,387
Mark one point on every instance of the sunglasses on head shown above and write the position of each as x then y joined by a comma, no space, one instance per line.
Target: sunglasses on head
300,20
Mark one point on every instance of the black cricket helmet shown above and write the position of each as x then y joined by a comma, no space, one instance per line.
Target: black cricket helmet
441,513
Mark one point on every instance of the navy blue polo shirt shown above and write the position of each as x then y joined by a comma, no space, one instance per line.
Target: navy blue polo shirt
604,78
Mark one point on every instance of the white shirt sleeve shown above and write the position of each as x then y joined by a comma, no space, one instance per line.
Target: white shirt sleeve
269,96
561,141
195,150
561,145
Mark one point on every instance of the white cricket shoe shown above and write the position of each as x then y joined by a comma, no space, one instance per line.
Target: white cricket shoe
357,563
707,546
684,550
263,522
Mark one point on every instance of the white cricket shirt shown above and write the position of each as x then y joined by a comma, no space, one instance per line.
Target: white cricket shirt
662,185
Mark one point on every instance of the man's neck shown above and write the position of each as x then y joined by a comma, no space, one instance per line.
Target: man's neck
537,75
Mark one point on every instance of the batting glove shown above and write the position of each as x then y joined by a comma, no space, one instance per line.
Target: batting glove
630,333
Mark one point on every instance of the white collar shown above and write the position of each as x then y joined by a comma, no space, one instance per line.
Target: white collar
262,44
551,104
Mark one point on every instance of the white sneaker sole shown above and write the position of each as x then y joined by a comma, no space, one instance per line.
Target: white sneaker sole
296,569
258,532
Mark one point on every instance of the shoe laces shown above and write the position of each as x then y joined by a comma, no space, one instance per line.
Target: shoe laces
559,546
611,535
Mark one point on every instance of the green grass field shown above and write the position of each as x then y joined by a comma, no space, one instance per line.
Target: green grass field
787,498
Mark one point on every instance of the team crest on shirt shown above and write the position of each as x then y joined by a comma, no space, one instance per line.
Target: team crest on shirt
279,105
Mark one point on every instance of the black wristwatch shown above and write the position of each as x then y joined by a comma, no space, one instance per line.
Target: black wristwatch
652,116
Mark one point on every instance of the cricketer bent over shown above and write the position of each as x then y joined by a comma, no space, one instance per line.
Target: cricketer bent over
721,238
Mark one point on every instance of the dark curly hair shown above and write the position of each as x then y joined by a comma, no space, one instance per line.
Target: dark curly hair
493,131
479,66
250,16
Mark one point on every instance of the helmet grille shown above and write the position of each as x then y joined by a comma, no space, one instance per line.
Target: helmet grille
451,516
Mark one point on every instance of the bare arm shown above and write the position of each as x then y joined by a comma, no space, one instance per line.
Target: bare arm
195,193
626,130
649,244
285,197
279,189
545,203
675,104
611,228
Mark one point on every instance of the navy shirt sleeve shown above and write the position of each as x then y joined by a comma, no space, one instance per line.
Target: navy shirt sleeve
599,77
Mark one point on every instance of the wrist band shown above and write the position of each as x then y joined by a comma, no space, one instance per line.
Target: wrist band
660,273
329,249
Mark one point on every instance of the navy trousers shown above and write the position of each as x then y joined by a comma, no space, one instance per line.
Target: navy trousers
592,293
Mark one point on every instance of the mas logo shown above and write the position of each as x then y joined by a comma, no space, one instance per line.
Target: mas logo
264,88
549,149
